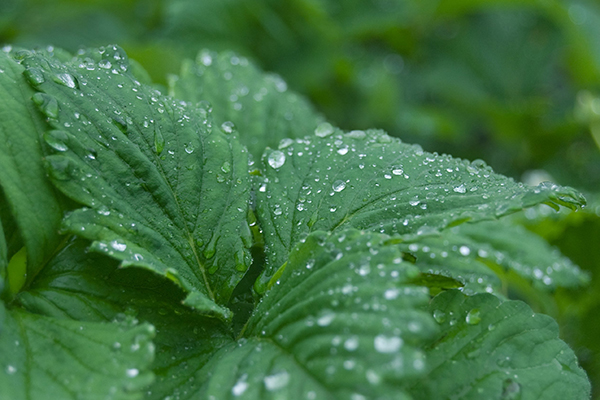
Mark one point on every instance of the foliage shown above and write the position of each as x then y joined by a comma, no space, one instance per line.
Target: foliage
256,250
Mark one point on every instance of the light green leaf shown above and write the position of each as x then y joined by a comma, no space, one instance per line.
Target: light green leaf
490,349
368,180
341,322
47,358
162,189
258,104
479,254
32,200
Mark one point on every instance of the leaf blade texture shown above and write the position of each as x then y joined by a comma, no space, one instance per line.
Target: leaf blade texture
368,180
30,197
497,350
259,105
54,358
162,190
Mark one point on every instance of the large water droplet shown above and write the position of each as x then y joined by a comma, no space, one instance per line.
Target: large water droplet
35,76
276,159
277,381
338,186
474,317
159,141
227,127
48,104
384,344
67,80
324,129
460,189
439,316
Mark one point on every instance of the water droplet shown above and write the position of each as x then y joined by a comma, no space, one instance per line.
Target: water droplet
35,76
338,186
118,246
48,104
351,343
159,141
65,79
287,142
57,139
132,372
397,171
439,316
226,167
473,317
104,64
464,250
384,344
227,127
460,189
511,390
276,159
325,319
11,370
189,148
343,150
356,134
240,386
391,294
277,381
324,129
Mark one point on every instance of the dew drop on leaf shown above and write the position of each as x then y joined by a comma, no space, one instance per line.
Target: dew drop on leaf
474,317
277,381
66,80
276,159
324,129
338,186
439,316
384,344
227,127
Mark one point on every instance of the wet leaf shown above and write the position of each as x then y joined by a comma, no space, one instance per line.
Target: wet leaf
46,358
489,349
151,173
340,322
30,197
368,180
258,105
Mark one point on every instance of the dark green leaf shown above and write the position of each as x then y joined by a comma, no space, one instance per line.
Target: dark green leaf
47,358
258,104
368,180
340,323
30,196
479,254
162,189
490,349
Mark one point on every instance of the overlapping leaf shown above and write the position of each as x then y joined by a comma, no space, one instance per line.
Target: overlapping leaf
490,349
368,180
162,189
478,254
30,197
258,104
89,287
341,322
45,358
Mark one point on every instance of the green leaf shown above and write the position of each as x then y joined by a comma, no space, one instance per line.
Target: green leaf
258,104
489,349
368,180
47,358
82,286
32,200
479,254
341,322
162,189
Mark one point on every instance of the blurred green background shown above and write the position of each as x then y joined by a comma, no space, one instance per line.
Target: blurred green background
516,83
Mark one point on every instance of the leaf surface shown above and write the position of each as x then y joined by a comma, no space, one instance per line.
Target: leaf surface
162,190
30,197
341,322
45,358
258,104
368,180
489,349
481,253
88,287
